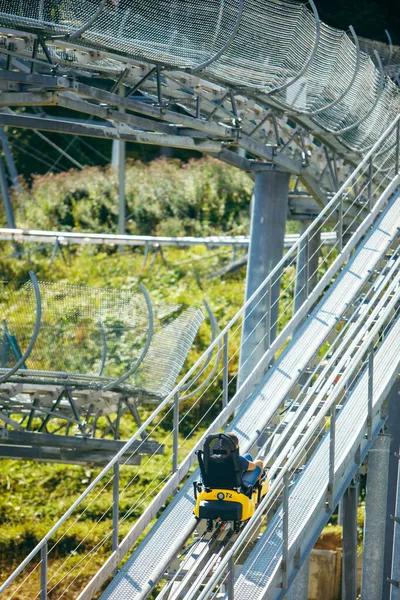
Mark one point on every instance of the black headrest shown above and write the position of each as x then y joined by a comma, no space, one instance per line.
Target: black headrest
220,462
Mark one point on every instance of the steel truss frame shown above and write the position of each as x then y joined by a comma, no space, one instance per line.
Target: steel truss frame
193,113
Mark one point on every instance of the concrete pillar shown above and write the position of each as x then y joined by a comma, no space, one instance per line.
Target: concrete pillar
349,556
395,575
375,519
299,588
267,233
393,429
307,265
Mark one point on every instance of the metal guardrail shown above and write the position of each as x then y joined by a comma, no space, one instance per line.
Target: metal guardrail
319,406
81,238
369,186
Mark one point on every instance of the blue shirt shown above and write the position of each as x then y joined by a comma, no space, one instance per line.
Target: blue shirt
244,464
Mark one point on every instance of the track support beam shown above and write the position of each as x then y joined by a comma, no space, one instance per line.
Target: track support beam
267,234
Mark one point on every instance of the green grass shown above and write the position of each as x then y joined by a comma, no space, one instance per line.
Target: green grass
165,198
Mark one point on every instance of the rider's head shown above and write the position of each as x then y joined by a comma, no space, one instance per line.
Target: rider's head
234,439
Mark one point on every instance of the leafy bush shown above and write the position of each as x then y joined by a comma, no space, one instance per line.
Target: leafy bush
163,197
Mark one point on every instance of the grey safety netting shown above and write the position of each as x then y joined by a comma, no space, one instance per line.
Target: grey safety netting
390,55
94,334
274,54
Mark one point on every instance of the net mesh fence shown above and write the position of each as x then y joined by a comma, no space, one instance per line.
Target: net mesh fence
266,54
97,333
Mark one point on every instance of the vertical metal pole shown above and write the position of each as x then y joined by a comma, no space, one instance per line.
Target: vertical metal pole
375,519
159,91
43,572
393,430
121,187
285,532
370,168
349,558
115,511
370,391
119,164
340,225
175,434
268,307
307,273
299,588
395,574
231,579
34,54
332,439
398,147
6,196
11,166
225,373
307,265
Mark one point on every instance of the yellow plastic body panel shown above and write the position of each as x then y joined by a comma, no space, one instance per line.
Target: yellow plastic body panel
248,504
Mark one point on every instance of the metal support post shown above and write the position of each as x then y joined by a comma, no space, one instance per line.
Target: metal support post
175,433
12,169
267,233
398,147
370,391
285,532
299,588
394,579
392,529
225,373
340,225
119,163
307,265
8,209
349,556
43,572
370,172
332,440
231,579
375,519
115,510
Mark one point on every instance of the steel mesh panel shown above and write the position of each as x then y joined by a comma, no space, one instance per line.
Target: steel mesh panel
83,328
274,41
166,30
390,55
50,15
175,340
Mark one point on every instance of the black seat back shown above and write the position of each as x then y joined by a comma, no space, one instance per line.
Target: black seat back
219,463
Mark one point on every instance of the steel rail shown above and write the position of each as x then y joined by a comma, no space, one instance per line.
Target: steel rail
241,392
35,333
33,235
324,411
355,337
355,321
